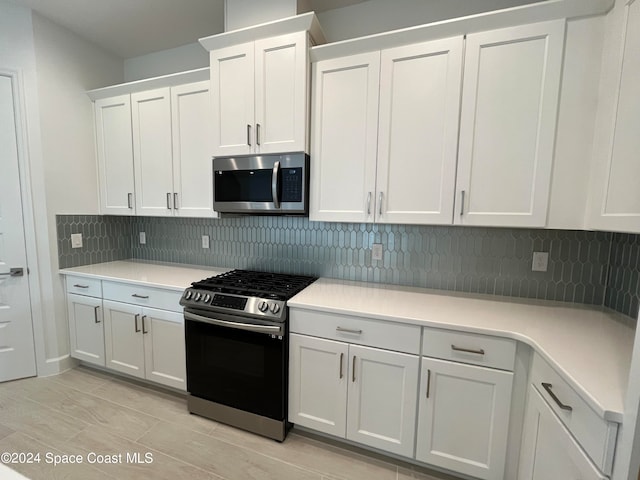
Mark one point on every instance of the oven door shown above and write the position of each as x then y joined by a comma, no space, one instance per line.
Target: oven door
236,363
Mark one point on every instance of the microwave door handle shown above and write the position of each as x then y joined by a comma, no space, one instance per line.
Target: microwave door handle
274,184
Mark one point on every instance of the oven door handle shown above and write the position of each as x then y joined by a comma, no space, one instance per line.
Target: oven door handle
250,327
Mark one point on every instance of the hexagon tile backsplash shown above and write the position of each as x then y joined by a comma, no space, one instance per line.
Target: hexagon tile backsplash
495,261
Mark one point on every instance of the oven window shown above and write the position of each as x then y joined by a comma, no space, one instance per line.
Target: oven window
240,369
243,185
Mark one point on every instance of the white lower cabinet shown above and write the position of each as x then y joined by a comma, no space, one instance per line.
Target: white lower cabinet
86,333
145,343
364,394
463,418
548,449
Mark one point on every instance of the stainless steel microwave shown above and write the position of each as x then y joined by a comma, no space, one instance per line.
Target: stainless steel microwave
262,184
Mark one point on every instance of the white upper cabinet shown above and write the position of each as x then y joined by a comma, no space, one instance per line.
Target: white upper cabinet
384,135
114,145
418,132
192,167
508,124
344,138
260,96
615,204
152,157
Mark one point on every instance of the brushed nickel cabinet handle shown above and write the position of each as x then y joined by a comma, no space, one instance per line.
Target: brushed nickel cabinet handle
348,330
248,134
130,200
95,314
135,322
258,134
479,351
380,204
462,203
428,382
547,387
341,358
144,331
369,203
353,369
135,295
175,201
168,201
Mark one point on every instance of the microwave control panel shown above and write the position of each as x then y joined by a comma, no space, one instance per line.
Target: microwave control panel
292,184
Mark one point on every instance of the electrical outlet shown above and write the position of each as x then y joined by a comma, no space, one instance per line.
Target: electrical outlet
143,238
76,240
205,241
376,251
540,262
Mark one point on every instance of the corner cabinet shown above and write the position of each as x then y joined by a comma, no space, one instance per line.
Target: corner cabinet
260,96
508,125
384,134
616,198
154,149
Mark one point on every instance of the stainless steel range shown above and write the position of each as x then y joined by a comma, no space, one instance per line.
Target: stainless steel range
236,334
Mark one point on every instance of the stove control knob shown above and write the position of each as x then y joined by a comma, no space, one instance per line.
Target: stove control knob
188,294
263,306
197,297
206,298
274,308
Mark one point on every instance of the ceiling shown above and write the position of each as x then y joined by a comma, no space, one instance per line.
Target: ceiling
130,28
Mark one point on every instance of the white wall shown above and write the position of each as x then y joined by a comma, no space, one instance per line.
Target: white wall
376,16
67,66
164,62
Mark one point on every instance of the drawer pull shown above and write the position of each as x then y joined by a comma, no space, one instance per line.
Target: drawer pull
341,358
467,350
135,295
81,286
348,330
428,382
547,387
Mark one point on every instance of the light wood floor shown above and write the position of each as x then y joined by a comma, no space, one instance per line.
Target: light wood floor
83,411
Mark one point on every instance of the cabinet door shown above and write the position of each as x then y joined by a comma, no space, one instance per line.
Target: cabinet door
281,95
548,449
464,418
381,410
318,384
192,166
344,138
616,192
123,339
418,132
232,100
508,124
151,112
164,348
86,330
114,145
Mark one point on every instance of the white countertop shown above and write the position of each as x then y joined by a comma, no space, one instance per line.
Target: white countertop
164,275
590,347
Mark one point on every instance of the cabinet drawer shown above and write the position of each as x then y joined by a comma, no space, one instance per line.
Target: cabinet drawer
90,287
470,348
596,435
145,296
374,333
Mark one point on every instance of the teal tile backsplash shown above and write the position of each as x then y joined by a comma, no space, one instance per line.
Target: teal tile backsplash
494,261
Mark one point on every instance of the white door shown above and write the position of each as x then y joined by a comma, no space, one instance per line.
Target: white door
17,354
86,328
318,384
152,154
464,418
115,155
548,449
232,100
164,348
381,410
418,132
281,93
191,126
616,192
344,138
123,341
508,124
